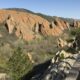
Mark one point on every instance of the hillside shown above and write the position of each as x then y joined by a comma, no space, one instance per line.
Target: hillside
29,41
32,26
47,17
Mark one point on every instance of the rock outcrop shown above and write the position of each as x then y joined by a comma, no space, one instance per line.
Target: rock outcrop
61,43
27,25
4,76
30,57
10,24
76,23
58,70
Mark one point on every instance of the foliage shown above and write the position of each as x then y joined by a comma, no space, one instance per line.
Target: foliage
18,64
75,31
62,56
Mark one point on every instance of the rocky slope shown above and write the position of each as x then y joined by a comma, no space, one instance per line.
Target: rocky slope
30,26
63,66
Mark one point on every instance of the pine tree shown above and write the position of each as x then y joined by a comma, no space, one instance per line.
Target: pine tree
18,64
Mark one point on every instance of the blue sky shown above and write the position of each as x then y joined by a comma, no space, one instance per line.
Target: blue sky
64,8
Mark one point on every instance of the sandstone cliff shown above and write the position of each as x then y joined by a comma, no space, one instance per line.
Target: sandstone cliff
76,24
27,25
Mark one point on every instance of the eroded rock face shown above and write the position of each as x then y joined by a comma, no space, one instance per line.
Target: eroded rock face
76,24
27,25
61,43
10,24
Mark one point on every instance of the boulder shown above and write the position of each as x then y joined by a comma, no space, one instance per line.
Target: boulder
30,57
4,76
61,43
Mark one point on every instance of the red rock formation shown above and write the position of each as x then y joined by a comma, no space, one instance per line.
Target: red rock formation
76,24
26,24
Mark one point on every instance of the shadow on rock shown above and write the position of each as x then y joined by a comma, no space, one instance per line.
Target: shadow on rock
37,71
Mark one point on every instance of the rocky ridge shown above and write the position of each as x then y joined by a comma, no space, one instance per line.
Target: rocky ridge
64,66
28,25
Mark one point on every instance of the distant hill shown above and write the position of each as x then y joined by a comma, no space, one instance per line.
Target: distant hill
20,10
47,17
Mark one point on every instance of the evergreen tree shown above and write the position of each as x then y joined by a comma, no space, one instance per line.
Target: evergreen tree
18,64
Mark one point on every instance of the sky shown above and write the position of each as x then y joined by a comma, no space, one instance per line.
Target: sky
62,8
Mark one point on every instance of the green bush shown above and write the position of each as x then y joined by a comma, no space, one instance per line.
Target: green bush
18,64
75,31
